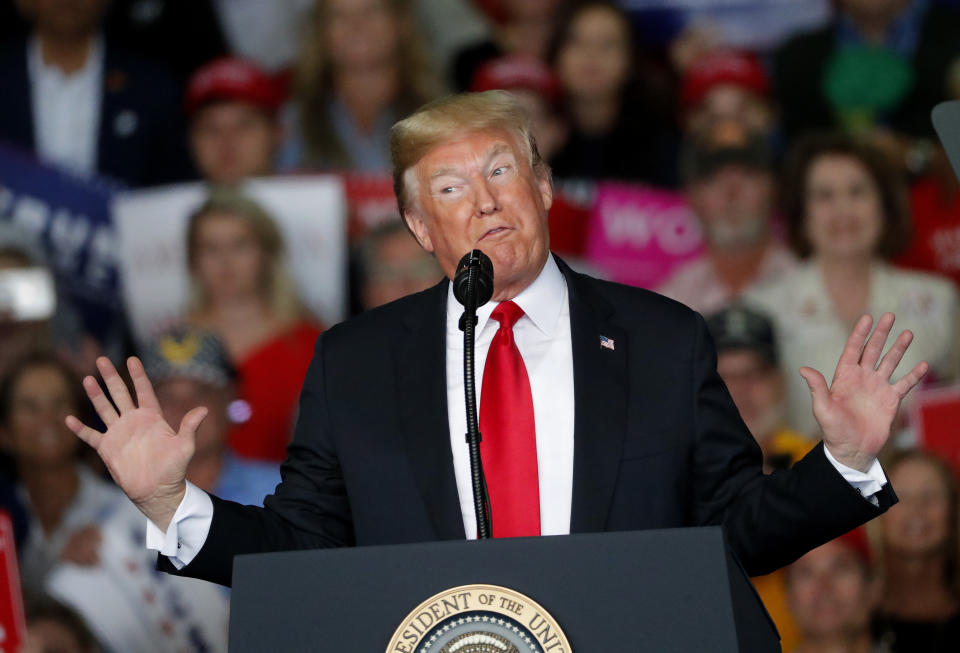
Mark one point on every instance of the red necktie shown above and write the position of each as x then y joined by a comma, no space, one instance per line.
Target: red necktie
509,444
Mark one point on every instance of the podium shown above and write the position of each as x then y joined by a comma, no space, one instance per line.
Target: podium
666,590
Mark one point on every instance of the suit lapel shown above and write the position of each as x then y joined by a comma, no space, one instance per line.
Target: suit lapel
424,424
600,395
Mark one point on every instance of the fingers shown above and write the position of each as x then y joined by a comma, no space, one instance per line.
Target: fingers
851,350
911,379
100,402
191,421
815,381
145,395
116,386
82,431
888,364
874,346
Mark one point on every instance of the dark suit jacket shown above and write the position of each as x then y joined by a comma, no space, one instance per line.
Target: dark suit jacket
142,137
658,442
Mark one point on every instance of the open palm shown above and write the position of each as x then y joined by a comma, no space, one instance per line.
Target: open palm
145,456
857,411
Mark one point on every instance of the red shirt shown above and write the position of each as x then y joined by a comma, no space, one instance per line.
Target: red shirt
270,379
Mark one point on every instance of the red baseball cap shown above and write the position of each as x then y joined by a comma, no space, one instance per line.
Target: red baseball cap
232,78
724,67
517,73
857,541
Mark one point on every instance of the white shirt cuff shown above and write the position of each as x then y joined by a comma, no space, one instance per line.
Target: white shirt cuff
866,483
187,531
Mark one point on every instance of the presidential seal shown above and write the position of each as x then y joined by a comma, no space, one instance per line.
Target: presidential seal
479,619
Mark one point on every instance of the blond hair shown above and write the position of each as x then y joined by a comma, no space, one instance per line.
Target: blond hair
450,118
313,83
276,286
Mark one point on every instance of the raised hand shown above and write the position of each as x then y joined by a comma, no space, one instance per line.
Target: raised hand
145,456
857,411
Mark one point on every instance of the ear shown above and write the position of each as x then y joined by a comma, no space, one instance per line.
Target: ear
546,191
419,229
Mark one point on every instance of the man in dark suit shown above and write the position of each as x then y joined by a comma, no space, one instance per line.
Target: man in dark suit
78,102
613,393
877,67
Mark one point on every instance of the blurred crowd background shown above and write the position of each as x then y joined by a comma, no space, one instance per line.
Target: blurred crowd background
770,163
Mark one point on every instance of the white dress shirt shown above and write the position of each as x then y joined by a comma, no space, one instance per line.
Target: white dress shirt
66,109
543,337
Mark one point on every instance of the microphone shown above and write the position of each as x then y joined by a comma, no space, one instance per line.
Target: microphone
473,287
480,267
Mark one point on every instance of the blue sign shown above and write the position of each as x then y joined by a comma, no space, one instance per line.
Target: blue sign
67,217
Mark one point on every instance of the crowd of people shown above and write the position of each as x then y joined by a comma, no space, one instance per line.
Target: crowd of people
810,164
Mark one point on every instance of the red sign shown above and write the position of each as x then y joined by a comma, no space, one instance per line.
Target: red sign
935,415
12,625
370,202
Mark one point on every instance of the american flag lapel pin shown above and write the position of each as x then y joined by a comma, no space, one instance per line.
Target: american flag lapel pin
606,342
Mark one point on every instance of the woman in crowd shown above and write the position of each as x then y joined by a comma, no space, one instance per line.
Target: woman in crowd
64,500
243,293
846,215
920,606
363,67
524,30
615,133
831,591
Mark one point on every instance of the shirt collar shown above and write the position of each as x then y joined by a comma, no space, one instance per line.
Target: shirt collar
542,301
903,34
37,67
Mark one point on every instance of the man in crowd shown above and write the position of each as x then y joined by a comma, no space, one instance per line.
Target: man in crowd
730,186
234,128
723,85
747,363
393,265
600,405
81,104
190,366
875,70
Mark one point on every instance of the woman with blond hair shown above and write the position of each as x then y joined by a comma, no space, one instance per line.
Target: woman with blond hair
242,292
363,66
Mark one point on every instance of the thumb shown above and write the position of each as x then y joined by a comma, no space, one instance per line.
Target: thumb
191,421
815,381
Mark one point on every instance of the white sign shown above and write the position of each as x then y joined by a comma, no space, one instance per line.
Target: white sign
151,227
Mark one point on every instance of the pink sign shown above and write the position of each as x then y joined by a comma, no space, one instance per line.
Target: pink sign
638,235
